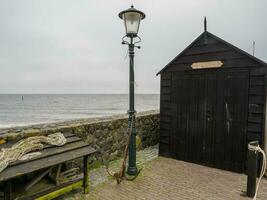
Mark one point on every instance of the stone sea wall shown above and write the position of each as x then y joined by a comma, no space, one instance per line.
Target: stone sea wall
107,134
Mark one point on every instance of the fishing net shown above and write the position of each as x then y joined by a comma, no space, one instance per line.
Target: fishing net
21,150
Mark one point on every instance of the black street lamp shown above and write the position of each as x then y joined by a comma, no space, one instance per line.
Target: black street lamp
131,18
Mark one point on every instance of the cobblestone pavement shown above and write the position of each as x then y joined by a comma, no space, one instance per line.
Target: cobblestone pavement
169,179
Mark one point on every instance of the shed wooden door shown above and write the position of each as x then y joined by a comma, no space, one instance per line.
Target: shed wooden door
209,119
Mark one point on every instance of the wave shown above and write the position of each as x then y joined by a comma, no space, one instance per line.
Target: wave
14,125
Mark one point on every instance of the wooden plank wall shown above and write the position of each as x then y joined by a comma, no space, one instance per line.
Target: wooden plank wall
165,114
210,49
257,101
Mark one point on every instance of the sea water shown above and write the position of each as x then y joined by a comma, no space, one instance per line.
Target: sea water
27,109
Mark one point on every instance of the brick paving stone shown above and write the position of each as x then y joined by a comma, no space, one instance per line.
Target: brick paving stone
169,179
100,175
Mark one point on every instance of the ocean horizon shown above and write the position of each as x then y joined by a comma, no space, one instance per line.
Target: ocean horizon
30,109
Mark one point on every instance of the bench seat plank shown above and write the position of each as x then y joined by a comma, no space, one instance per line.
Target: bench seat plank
45,162
54,151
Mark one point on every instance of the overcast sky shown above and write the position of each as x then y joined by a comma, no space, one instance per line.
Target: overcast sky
67,46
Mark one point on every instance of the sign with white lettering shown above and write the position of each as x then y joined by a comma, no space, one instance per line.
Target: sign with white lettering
207,65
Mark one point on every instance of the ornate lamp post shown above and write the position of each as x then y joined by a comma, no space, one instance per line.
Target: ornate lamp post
131,18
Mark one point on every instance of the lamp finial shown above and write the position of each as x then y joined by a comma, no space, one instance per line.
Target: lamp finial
132,6
205,24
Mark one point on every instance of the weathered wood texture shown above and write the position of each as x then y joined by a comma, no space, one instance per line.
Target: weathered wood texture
50,190
256,114
214,49
51,155
207,116
165,111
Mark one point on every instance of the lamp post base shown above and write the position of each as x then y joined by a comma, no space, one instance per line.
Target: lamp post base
132,171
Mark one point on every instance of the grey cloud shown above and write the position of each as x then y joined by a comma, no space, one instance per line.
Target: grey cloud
65,46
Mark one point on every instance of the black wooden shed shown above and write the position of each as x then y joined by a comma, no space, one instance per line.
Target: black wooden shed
212,103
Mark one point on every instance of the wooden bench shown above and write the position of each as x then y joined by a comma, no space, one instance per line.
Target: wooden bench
51,157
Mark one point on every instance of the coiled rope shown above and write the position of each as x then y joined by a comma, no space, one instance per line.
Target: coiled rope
22,149
257,149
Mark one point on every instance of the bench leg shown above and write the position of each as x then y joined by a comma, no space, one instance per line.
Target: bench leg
58,174
8,190
36,179
85,175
